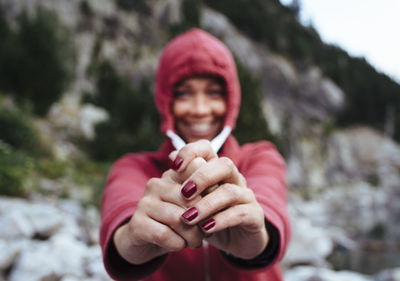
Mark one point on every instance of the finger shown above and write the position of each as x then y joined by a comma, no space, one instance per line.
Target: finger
213,172
224,196
210,189
180,177
154,232
174,162
169,215
247,216
172,155
185,155
192,167
165,190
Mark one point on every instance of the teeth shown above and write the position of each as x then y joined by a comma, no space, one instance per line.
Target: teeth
200,127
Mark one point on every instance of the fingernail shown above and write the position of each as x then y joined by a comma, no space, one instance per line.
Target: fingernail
190,214
189,189
208,224
177,163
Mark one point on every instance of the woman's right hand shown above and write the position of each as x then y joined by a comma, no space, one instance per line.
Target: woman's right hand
156,226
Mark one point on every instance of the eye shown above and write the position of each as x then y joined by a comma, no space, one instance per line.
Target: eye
179,94
216,93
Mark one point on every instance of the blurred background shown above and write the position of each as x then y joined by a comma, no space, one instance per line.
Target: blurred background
76,92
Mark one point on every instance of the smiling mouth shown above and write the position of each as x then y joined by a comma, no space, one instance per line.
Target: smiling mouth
198,130
200,127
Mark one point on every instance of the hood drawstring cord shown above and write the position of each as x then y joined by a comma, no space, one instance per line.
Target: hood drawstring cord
216,143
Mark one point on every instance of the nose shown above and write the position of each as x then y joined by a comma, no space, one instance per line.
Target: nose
201,104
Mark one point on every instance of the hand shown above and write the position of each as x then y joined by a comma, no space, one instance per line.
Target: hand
156,227
230,212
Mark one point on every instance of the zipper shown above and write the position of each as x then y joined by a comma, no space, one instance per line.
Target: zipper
206,252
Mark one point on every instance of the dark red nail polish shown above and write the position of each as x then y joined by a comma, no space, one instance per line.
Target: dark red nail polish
189,189
190,214
177,163
208,224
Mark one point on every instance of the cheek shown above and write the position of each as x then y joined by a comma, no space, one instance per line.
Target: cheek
178,109
219,108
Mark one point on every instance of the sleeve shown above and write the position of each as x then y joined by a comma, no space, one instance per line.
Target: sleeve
265,173
124,188
266,258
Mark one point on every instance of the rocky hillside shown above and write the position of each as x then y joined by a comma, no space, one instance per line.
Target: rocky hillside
343,181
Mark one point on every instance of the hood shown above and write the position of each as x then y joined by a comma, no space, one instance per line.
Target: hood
195,52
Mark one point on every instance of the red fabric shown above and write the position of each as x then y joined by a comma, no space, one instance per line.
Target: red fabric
194,52
264,171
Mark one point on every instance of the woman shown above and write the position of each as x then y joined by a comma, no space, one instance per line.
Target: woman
202,207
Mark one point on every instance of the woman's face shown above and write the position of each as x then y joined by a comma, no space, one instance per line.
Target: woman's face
199,107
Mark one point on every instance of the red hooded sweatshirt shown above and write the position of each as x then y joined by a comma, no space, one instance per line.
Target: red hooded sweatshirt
195,53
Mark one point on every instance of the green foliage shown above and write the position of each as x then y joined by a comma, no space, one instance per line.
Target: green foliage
378,231
265,21
273,24
374,179
93,175
134,122
17,131
85,9
51,169
251,124
370,96
36,59
13,169
190,11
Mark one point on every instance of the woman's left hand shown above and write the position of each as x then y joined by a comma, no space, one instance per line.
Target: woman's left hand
229,215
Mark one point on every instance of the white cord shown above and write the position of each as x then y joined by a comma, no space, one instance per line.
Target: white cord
216,143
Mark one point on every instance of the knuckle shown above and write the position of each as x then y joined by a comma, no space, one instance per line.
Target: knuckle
175,219
194,238
152,183
161,236
228,163
246,194
195,244
197,162
145,202
206,203
204,142
242,212
187,150
165,174
168,174
201,177
233,191
242,180
179,245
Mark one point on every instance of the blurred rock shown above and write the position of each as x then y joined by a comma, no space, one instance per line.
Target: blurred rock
90,115
389,275
94,264
304,93
306,273
344,157
60,256
353,154
309,245
25,220
18,226
49,240
355,208
9,251
103,7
